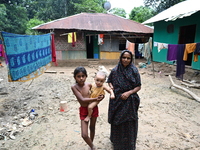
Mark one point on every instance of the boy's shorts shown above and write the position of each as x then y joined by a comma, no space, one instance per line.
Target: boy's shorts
83,112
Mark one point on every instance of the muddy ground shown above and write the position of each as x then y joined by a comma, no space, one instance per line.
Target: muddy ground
169,118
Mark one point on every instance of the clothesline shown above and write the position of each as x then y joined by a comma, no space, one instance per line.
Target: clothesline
179,53
173,48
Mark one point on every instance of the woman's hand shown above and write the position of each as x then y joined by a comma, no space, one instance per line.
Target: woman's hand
125,95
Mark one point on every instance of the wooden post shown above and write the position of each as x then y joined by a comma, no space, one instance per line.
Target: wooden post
194,96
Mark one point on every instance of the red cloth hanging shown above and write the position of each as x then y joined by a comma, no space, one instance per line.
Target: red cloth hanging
53,50
100,39
2,54
73,39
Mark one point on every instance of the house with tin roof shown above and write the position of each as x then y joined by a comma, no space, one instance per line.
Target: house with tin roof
178,24
95,35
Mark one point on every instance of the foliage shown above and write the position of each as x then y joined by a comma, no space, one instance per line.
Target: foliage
160,5
32,8
141,14
3,17
15,19
118,11
32,23
16,13
90,6
55,9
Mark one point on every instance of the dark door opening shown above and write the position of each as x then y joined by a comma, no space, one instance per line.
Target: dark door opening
89,47
122,45
187,35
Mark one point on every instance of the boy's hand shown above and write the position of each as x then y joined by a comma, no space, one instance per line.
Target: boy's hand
100,97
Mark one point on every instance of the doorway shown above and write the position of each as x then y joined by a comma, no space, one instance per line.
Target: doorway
89,47
187,35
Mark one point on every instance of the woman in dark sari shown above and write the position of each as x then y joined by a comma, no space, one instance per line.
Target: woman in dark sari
124,79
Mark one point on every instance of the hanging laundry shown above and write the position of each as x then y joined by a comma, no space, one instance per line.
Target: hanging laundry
189,48
1,54
69,37
53,49
150,43
100,39
127,44
180,67
148,50
72,38
197,50
172,52
130,46
155,44
1,50
141,49
162,46
28,55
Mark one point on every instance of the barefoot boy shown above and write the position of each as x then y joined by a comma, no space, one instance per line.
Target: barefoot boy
82,92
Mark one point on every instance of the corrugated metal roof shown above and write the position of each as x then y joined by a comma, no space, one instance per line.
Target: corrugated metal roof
180,10
96,22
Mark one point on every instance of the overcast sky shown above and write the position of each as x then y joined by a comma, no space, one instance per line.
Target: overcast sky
127,5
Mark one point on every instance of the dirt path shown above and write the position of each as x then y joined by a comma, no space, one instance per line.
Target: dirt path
168,118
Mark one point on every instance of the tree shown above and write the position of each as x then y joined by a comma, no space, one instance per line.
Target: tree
45,10
32,8
141,14
54,9
17,19
32,23
15,2
15,14
160,5
118,11
3,17
90,6
14,17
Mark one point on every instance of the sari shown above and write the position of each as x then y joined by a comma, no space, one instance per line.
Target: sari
123,114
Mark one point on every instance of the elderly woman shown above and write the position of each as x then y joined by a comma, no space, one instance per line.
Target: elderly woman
124,79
